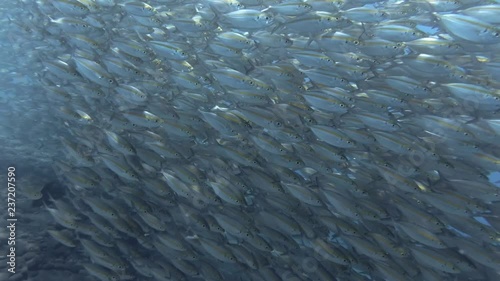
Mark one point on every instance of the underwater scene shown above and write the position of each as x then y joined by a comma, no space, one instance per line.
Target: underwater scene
250,140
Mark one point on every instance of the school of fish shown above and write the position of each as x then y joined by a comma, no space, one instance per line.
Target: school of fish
262,140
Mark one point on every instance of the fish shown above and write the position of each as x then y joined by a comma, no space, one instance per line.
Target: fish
139,8
469,28
94,72
248,19
64,237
